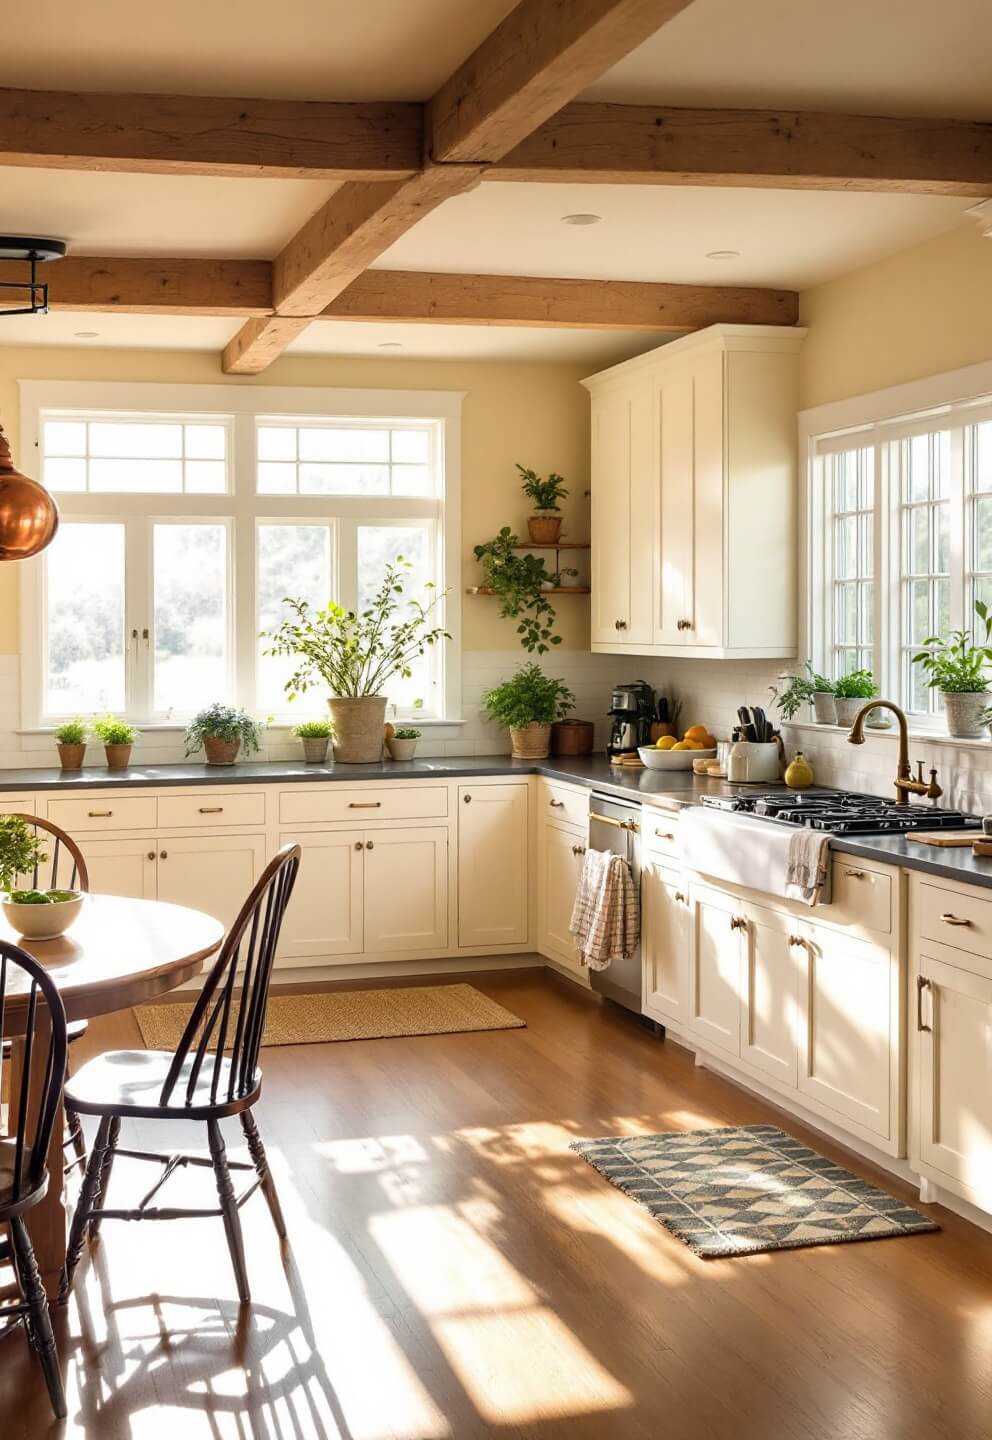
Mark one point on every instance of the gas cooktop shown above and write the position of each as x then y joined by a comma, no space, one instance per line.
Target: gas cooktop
844,812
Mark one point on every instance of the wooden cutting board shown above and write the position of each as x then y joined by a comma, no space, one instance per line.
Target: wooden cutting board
944,837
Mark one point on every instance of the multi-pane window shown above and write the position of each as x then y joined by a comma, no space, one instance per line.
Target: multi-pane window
900,543
183,535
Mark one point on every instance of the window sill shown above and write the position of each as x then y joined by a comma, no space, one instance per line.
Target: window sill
923,736
277,726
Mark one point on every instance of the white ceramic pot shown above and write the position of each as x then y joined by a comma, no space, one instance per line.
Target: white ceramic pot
401,749
358,728
962,709
314,749
823,708
846,708
751,763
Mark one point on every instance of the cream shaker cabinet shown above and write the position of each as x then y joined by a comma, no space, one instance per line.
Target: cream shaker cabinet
664,941
212,873
694,497
560,858
493,870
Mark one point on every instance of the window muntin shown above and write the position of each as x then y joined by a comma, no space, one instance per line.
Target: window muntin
135,455
339,458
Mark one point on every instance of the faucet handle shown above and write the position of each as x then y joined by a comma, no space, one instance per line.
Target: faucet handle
934,791
919,772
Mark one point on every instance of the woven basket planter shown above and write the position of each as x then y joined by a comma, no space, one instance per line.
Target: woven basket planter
358,728
531,742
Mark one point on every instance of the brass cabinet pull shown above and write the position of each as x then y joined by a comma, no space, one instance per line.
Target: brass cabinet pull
855,874
664,835
211,809
796,940
369,845
620,624
684,625
578,849
922,983
163,854
609,820
99,814
557,804
364,804
738,922
950,919
151,855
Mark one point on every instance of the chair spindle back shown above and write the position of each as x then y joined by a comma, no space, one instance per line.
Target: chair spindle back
30,1008
63,867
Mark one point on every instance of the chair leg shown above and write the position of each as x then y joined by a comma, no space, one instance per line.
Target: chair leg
39,1327
89,1199
257,1152
228,1205
113,1135
76,1137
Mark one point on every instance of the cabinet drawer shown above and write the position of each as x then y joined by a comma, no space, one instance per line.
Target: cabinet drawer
860,896
660,833
564,805
17,805
115,812
335,802
206,809
954,917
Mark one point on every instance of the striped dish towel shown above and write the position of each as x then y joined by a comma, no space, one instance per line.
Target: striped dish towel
606,917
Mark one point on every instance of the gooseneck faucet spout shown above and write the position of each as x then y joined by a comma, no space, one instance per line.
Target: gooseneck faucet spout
904,783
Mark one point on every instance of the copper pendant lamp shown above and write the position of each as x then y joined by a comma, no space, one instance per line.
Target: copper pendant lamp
29,516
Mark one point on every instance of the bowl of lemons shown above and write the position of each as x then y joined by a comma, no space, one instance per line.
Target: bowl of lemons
669,753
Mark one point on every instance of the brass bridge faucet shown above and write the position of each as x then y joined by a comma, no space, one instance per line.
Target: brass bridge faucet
904,782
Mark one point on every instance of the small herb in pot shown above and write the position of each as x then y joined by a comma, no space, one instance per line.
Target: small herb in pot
856,685
406,733
955,665
544,493
313,730
223,722
71,732
111,731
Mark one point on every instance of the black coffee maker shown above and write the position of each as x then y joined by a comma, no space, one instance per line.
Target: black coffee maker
632,708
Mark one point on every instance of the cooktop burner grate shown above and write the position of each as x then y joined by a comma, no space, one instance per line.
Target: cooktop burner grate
843,812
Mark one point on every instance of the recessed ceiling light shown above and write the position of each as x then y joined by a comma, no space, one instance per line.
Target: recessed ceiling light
723,254
581,218
87,334
390,345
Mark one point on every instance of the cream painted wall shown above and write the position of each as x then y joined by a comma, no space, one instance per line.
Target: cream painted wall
918,313
537,414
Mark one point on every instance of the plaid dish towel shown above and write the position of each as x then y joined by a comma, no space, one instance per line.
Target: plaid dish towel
808,875
606,917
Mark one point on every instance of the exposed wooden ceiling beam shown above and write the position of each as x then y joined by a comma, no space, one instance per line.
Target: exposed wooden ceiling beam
207,135
405,296
543,54
538,59
781,149
160,287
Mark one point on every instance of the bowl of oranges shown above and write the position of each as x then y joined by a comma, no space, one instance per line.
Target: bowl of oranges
669,753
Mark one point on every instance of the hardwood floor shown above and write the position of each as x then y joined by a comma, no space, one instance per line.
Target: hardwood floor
454,1271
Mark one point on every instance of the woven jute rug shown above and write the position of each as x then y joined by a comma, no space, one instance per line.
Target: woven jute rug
748,1188
350,1015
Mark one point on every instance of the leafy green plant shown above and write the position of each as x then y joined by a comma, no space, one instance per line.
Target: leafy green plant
20,850
356,655
406,732
855,685
801,689
956,665
544,493
223,722
529,697
111,731
313,730
518,581
71,732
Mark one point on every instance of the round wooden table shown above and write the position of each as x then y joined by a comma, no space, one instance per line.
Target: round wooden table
119,953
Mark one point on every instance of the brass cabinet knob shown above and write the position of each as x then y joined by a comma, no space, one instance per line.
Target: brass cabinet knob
578,849
738,922
620,624
151,855
359,845
679,898
163,854
466,799
684,625
369,845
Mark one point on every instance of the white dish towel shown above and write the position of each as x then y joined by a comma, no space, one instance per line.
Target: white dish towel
606,917
787,861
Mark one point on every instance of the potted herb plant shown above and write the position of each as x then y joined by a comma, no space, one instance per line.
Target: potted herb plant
402,744
526,705
221,731
810,688
117,737
544,526
70,738
850,693
522,585
316,736
356,656
958,669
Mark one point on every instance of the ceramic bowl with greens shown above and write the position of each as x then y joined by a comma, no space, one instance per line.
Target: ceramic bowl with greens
41,914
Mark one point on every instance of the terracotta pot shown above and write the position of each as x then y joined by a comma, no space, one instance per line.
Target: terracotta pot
824,709
572,737
315,748
118,756
71,756
544,527
401,749
221,752
358,728
962,709
531,742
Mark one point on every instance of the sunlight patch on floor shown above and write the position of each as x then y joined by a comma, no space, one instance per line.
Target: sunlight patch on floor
616,1219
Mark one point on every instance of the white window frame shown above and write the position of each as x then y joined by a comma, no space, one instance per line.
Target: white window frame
949,401
242,508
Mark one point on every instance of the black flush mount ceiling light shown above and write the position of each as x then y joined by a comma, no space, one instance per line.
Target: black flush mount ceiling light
31,292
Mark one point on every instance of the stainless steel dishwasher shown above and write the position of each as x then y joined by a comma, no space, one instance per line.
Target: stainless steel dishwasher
615,825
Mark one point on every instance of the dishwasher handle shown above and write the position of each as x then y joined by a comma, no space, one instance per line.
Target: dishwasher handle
631,825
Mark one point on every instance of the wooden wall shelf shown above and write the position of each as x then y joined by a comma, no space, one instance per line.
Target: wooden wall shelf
559,590
560,545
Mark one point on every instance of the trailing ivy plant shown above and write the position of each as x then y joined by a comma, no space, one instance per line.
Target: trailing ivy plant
518,580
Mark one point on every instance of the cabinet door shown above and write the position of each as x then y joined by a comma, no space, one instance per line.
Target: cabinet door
492,864
325,915
954,1021
610,560
771,973
642,520
715,969
561,864
122,867
849,1025
406,889
212,873
664,943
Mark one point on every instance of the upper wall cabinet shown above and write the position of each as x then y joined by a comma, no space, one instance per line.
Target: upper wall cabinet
694,543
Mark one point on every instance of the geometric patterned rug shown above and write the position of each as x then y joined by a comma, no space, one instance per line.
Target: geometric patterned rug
744,1189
